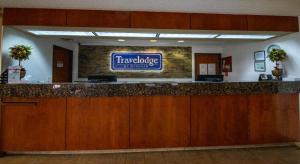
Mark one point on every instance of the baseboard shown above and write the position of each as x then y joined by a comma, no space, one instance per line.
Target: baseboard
149,150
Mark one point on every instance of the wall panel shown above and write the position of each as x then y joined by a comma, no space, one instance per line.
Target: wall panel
160,20
272,23
97,18
35,17
218,22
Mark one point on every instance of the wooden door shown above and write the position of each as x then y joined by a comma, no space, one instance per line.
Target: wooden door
97,123
62,64
30,124
207,59
159,121
273,118
219,120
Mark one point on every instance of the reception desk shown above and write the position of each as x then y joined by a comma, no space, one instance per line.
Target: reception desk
82,116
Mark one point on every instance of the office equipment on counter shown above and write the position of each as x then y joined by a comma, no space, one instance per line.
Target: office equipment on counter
265,77
210,78
4,77
102,78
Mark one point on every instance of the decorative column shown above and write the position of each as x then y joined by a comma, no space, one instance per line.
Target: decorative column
1,34
1,31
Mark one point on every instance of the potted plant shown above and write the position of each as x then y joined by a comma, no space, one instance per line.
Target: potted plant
20,53
277,55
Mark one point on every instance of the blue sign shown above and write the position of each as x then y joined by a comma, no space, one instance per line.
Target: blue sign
136,61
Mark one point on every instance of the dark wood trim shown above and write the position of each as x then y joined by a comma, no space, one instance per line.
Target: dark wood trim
149,20
160,20
272,23
219,22
34,17
98,18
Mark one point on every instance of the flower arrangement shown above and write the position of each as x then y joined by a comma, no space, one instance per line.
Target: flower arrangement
20,52
277,55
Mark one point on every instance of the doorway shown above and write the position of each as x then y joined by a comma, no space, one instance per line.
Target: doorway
62,65
207,64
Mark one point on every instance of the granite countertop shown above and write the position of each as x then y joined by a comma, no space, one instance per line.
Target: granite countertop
146,89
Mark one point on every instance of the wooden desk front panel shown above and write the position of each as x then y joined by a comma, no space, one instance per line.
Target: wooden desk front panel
273,118
48,124
97,123
219,120
31,124
159,121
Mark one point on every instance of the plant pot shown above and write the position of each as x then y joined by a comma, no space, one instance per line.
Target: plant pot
22,73
277,72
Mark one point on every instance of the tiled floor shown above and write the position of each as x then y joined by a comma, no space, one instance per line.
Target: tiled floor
279,155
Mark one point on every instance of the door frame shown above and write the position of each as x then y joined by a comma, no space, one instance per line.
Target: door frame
71,64
195,61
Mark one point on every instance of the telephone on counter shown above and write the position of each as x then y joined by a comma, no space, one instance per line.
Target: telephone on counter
265,77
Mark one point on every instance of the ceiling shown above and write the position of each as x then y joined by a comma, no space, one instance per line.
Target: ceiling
256,7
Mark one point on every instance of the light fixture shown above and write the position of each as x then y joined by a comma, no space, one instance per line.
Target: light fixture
191,36
153,40
245,36
61,33
126,34
121,40
180,41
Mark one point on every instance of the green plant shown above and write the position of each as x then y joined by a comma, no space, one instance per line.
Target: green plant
20,52
277,55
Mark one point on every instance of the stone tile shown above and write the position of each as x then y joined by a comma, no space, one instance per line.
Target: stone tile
135,158
154,158
277,155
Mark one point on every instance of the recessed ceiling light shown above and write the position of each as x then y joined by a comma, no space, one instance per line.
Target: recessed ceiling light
126,34
62,33
153,40
180,41
121,40
245,36
191,36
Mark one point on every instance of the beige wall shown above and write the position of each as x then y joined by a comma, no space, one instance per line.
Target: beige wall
243,62
39,65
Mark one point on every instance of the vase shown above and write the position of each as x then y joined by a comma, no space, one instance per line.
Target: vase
277,72
22,73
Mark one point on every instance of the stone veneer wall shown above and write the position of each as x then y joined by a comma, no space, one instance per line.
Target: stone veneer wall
177,61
